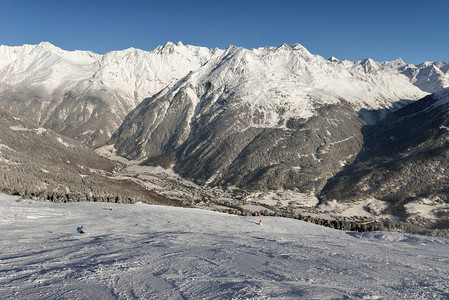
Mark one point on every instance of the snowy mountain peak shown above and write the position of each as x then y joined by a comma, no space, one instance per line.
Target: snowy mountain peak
369,65
284,46
292,47
300,48
168,48
395,64
333,59
368,61
47,46
398,61
231,48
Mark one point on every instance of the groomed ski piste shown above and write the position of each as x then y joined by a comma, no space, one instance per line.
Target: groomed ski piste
140,251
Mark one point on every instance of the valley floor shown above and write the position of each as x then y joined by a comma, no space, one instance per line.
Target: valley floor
140,251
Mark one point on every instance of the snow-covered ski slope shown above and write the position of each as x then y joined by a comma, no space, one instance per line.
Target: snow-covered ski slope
142,251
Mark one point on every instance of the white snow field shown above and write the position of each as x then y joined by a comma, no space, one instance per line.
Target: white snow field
140,251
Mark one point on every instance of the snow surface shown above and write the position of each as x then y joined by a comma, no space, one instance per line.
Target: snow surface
154,252
62,142
370,207
39,131
283,198
427,208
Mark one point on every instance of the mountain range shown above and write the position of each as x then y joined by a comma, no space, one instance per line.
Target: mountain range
85,95
272,118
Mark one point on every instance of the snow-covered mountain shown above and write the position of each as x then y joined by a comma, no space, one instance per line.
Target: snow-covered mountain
85,95
267,118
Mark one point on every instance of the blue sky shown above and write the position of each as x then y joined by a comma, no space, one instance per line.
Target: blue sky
347,29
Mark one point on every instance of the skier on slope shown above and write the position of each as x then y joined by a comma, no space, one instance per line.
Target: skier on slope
80,229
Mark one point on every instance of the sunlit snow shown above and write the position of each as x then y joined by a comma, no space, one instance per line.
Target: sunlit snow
154,252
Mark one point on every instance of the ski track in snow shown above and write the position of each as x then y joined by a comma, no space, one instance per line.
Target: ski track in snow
143,251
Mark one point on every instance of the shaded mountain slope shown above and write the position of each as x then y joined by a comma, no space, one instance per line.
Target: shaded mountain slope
405,160
39,162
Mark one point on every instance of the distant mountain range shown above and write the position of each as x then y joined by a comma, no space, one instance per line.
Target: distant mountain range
271,118
85,95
